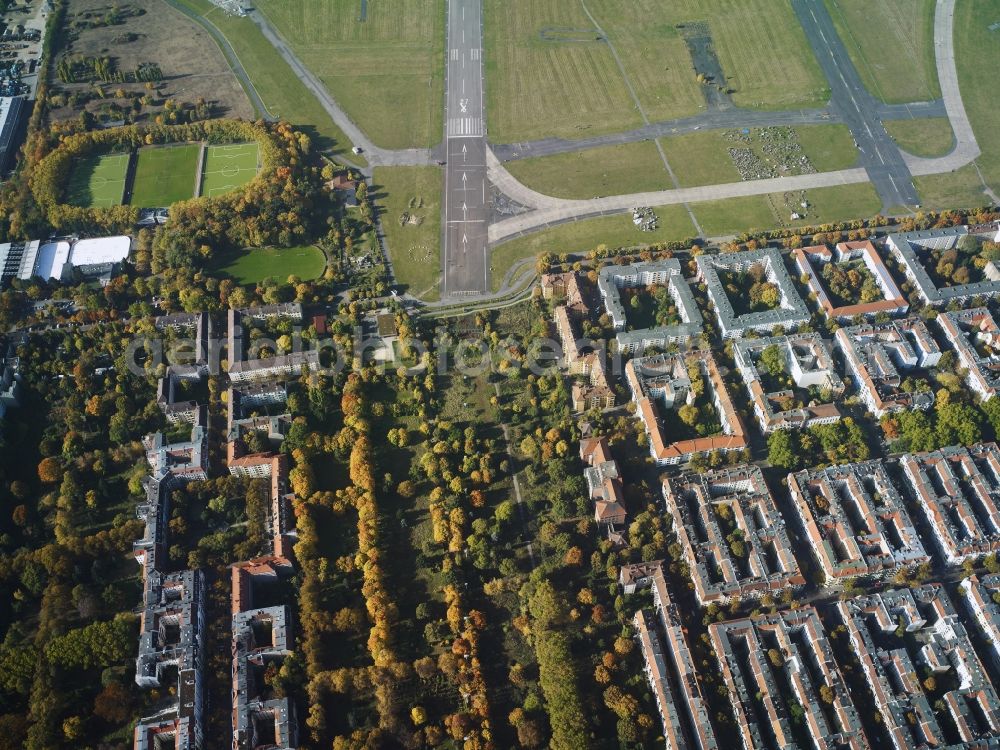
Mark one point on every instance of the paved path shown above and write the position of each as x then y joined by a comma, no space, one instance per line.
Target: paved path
466,205
856,107
376,156
231,57
966,148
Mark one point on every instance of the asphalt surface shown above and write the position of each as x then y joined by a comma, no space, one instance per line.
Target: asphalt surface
858,109
464,253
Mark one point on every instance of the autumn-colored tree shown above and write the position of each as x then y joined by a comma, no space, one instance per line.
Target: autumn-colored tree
50,470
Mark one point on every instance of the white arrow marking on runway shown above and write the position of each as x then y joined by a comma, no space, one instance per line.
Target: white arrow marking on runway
465,151
465,239
465,211
465,179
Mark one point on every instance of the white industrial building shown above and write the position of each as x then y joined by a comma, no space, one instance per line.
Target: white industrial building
56,259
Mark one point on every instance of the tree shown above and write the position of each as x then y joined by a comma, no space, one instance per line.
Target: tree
772,360
688,414
781,450
50,470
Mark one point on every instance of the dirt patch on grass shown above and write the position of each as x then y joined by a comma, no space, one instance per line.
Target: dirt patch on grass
142,35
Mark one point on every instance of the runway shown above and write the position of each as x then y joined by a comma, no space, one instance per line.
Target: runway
464,252
857,108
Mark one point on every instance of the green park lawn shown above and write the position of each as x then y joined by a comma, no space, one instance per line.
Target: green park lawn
282,92
586,234
700,158
414,246
891,43
928,137
703,158
759,212
98,181
550,74
962,188
977,55
387,71
164,175
605,170
228,167
254,265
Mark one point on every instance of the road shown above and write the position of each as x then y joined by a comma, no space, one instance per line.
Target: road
466,205
856,107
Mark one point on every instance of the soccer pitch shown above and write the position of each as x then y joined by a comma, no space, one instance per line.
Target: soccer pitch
98,181
228,167
164,175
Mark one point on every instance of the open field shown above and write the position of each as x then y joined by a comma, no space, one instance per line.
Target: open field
931,136
891,43
98,181
228,167
413,195
164,175
149,31
583,236
607,170
387,71
829,147
703,158
959,189
700,158
282,92
697,159
254,265
737,215
977,53
538,87
549,72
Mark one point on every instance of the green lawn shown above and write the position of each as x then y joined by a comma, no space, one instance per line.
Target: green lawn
959,189
735,215
228,167
759,212
282,92
606,170
930,136
548,72
891,43
829,147
700,158
414,246
164,175
386,72
977,51
98,181
583,236
254,265
703,158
